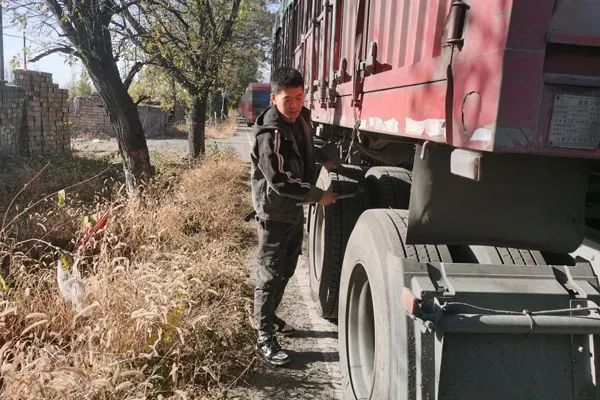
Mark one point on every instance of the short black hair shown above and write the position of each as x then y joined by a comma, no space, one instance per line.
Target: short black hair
286,77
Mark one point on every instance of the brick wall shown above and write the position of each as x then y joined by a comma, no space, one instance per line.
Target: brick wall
12,110
89,116
154,120
34,115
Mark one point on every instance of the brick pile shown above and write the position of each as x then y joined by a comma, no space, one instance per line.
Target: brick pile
12,99
46,128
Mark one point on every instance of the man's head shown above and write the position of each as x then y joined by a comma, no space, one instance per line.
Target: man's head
287,92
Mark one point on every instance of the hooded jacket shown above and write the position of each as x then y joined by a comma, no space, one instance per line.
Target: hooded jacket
283,175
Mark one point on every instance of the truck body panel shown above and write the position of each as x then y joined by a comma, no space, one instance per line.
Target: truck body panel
503,92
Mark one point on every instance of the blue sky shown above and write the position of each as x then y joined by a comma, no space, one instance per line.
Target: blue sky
54,63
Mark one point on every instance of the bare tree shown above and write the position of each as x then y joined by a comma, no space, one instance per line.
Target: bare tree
85,29
189,39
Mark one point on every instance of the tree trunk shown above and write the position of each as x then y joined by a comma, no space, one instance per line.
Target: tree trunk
197,125
126,122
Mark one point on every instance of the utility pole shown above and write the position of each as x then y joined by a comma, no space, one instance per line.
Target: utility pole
24,51
1,46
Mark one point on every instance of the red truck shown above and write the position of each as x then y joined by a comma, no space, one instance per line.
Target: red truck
255,100
471,132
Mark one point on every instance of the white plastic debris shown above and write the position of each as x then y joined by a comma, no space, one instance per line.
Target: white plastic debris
70,284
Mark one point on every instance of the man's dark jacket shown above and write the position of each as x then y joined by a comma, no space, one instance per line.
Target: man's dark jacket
283,174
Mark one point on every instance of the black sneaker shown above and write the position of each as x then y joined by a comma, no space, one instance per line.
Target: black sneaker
271,351
282,327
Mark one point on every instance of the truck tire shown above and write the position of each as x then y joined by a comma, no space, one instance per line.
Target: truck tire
388,187
329,230
372,323
507,256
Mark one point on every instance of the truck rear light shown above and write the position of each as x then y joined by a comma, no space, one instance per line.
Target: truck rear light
409,301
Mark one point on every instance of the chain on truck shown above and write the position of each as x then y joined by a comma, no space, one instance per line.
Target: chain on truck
470,132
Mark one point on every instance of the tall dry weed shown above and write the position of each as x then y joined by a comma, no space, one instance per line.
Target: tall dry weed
222,130
166,305
219,130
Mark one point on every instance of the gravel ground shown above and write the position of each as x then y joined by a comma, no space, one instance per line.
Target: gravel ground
314,372
173,149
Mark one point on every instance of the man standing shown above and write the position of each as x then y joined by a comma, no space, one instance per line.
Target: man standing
283,177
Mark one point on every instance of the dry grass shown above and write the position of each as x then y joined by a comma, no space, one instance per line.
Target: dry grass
165,309
178,130
221,130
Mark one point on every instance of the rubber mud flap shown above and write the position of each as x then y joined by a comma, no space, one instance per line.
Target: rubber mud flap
521,201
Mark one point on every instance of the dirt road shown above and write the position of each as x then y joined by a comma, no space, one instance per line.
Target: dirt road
175,148
314,372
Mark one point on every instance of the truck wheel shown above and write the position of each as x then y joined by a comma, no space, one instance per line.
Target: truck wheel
373,334
506,256
389,187
329,230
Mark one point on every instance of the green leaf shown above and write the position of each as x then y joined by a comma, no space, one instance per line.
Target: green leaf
66,261
61,197
89,221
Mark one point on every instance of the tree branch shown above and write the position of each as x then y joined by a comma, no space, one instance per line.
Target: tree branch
65,50
142,98
227,31
124,6
132,72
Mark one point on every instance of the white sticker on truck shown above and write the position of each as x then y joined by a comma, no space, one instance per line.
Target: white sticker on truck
430,127
481,135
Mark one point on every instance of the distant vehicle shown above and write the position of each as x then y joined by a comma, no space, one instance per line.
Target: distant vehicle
254,101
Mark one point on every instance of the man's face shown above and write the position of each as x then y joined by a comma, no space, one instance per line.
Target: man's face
289,102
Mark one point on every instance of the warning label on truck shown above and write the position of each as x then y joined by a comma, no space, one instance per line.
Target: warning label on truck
575,122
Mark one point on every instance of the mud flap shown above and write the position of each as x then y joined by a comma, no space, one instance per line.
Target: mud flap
521,201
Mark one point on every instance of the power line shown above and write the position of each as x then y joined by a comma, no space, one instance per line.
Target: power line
13,36
21,37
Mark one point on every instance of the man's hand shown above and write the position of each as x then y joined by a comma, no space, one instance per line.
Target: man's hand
331,165
327,199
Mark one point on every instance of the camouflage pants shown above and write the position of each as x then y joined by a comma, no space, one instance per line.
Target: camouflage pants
279,245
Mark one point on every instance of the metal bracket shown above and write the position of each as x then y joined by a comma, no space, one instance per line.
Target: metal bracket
428,352
323,89
466,163
331,96
583,358
370,64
